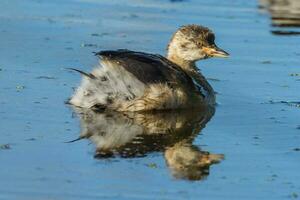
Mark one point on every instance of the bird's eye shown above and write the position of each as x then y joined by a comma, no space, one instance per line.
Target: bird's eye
199,43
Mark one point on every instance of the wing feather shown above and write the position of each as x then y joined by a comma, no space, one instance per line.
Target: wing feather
148,68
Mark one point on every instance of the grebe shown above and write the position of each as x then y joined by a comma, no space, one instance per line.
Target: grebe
135,81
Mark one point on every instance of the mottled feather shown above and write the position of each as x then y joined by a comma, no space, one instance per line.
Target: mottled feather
149,68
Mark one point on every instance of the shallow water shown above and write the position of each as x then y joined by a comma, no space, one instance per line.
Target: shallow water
256,123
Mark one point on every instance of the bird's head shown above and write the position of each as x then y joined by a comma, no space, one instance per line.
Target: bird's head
193,42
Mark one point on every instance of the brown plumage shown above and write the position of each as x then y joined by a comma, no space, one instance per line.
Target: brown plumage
137,81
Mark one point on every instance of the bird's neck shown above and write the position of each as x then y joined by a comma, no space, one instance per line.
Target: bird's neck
190,68
184,64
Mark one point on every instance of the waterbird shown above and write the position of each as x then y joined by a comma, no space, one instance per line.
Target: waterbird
130,81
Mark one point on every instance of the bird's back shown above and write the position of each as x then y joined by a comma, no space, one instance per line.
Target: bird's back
148,68
133,81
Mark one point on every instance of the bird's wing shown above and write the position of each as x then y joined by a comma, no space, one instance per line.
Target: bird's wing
148,68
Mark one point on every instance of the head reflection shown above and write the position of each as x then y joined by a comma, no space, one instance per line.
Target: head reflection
129,135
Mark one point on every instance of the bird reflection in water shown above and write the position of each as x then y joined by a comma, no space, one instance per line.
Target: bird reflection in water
285,15
128,135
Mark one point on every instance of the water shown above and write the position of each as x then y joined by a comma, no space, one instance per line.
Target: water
255,125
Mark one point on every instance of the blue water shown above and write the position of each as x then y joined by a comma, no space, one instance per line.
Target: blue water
40,38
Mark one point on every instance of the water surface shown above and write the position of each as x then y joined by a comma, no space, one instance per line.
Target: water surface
255,126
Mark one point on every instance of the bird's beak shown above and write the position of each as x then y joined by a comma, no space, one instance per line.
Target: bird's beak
215,51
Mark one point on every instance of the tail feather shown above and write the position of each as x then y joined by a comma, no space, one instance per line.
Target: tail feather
91,76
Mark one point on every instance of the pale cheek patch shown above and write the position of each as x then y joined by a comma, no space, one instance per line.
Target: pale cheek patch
185,48
191,54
